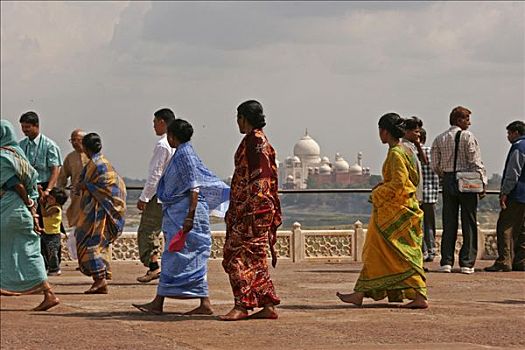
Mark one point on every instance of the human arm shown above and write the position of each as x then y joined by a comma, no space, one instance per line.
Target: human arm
421,155
161,157
435,159
513,171
65,173
188,221
20,189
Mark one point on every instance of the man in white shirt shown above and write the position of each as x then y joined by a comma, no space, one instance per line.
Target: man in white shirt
151,220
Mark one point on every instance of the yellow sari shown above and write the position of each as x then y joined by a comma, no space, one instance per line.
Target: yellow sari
392,257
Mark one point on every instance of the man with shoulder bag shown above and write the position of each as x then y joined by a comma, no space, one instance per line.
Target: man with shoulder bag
456,159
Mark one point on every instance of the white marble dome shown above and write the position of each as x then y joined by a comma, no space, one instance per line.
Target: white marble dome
325,169
325,160
356,169
306,147
340,165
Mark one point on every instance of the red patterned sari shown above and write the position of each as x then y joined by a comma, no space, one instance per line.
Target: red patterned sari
252,220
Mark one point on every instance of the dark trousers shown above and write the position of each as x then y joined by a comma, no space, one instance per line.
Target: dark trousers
453,200
149,230
511,236
51,250
429,228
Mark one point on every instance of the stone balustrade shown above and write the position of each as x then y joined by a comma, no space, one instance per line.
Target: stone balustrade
305,245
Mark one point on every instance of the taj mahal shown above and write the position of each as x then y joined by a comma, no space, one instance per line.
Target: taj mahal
307,169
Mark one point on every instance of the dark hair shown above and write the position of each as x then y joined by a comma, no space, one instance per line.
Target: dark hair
181,129
92,142
518,126
422,135
458,113
165,114
253,112
393,123
413,123
60,195
30,118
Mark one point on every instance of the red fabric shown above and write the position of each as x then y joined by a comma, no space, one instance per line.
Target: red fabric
177,242
252,220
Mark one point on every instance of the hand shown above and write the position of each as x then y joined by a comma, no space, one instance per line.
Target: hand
503,201
141,205
188,225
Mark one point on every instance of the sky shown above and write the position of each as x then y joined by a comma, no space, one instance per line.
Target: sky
330,67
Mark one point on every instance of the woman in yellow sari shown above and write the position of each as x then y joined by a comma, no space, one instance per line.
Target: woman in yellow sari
392,258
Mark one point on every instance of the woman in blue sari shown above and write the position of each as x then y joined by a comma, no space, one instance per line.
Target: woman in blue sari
189,192
22,269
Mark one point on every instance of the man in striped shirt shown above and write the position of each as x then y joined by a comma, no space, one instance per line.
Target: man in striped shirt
468,160
428,204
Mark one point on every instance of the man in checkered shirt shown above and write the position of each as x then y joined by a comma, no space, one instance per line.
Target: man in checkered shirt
469,160
428,203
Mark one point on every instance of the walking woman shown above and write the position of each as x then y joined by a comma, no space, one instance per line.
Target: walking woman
101,220
252,219
22,269
392,258
189,192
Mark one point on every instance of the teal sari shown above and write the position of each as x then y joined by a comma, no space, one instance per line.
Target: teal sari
22,265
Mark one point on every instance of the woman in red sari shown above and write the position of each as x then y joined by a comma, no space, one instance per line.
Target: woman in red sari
252,219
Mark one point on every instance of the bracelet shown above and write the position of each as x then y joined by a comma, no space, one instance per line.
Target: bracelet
31,203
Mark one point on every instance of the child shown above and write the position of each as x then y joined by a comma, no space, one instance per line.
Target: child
52,217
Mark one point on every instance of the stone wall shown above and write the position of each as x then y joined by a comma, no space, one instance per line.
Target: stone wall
304,245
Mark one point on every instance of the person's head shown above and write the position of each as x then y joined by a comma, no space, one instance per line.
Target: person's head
179,131
515,130
391,127
92,144
422,136
162,118
57,195
413,127
7,134
76,140
30,124
250,116
460,116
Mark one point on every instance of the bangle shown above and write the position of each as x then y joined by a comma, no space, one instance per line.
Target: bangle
31,203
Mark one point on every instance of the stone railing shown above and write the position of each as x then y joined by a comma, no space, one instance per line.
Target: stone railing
305,245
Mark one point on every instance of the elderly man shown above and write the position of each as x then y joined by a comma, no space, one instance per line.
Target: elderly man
71,169
445,164
511,222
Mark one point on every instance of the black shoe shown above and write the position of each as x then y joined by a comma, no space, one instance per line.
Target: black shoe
429,259
498,268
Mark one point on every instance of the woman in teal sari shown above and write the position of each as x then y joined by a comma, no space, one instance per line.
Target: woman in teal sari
22,269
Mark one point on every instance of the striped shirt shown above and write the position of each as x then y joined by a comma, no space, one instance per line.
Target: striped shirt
430,180
469,154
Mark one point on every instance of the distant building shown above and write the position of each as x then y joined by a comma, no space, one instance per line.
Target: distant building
306,168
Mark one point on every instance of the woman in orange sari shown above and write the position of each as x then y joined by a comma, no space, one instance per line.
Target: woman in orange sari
252,219
392,258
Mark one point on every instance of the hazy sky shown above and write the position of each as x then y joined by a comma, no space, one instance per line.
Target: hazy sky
331,67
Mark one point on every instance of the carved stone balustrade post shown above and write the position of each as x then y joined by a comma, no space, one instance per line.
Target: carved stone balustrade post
359,240
298,243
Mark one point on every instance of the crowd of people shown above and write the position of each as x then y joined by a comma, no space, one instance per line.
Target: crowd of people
181,193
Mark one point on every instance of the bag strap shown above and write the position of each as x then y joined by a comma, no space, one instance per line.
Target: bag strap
458,135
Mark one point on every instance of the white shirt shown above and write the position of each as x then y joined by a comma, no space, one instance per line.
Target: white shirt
162,154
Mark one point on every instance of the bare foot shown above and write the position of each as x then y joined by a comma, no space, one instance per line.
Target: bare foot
416,304
353,298
201,310
149,308
266,313
235,314
47,304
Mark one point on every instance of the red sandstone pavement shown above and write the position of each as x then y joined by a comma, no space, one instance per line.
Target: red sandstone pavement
480,311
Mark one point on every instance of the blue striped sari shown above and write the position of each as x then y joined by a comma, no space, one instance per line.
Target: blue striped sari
184,273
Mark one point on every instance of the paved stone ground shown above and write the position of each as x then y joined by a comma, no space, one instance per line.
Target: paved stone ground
480,311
